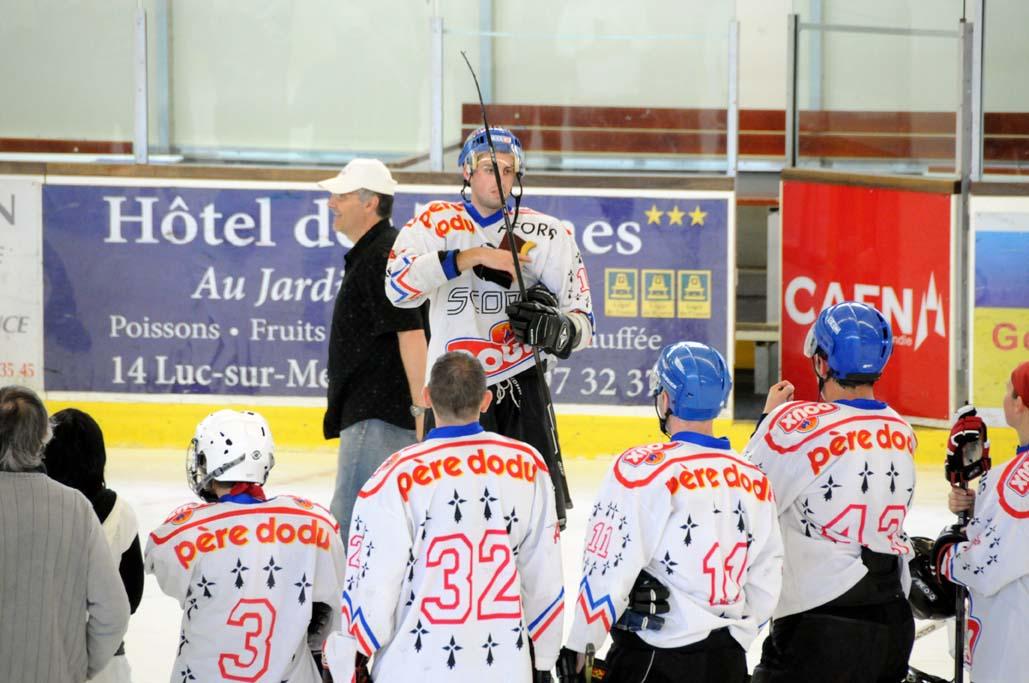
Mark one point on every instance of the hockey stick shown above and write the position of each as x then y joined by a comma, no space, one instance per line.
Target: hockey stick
562,496
959,615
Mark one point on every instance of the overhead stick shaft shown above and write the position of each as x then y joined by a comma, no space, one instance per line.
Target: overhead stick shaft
555,464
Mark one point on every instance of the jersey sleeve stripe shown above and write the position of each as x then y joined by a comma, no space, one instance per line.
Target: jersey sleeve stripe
547,616
358,626
603,609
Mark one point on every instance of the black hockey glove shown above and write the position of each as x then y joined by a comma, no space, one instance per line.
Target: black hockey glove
948,537
541,676
567,663
497,277
541,295
647,600
537,322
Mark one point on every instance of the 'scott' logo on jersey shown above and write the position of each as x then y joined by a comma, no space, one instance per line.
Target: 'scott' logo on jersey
500,353
649,455
804,418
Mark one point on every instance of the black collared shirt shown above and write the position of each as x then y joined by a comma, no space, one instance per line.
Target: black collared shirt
366,374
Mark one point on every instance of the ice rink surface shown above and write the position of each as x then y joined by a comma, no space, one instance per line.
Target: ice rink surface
154,483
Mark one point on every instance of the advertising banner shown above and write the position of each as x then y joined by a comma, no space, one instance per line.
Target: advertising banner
204,288
889,248
21,282
1000,321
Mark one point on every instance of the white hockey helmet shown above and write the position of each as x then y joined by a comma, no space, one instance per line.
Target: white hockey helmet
229,445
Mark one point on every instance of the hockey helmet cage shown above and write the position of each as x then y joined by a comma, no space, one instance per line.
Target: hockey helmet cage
855,339
503,140
929,597
696,378
228,446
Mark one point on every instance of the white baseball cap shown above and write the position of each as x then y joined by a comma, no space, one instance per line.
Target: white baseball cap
361,174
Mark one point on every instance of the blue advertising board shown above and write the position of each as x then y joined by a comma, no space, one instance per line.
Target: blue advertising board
228,290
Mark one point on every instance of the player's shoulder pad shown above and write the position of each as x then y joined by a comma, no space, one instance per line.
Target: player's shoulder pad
184,513
641,465
1013,487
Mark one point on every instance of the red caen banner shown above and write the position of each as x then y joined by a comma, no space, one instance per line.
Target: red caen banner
889,248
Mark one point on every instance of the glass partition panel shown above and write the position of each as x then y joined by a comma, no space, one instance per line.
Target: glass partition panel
604,87
1005,97
67,76
312,81
878,85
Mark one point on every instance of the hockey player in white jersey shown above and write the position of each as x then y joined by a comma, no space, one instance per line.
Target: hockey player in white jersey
454,553
844,477
258,578
697,518
990,557
456,256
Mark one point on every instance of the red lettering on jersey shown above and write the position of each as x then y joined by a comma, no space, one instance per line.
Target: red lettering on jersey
803,418
652,454
498,354
1015,480
1019,481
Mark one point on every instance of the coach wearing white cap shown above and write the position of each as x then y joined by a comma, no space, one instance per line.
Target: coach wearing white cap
376,350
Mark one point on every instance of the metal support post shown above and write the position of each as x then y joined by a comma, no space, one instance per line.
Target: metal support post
792,112
436,97
732,113
140,141
963,236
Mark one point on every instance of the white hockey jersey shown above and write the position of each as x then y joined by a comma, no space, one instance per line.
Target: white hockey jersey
994,565
246,576
454,563
701,520
467,313
844,477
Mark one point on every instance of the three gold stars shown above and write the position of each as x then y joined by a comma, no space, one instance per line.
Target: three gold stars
675,215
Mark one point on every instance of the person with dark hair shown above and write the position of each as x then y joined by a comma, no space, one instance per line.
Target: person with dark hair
843,473
377,352
688,518
63,610
76,457
454,556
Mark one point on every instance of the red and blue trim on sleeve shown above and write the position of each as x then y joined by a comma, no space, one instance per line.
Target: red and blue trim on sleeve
540,624
594,609
358,626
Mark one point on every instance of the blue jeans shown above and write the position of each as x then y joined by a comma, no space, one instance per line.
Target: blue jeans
362,448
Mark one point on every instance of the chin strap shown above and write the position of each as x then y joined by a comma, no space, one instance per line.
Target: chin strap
662,420
821,380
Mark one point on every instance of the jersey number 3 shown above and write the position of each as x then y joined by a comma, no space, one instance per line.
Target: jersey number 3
257,619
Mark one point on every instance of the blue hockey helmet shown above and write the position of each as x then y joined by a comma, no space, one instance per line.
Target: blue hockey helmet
855,339
503,140
696,378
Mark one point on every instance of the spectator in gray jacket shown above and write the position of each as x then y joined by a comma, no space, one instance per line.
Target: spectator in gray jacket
63,609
